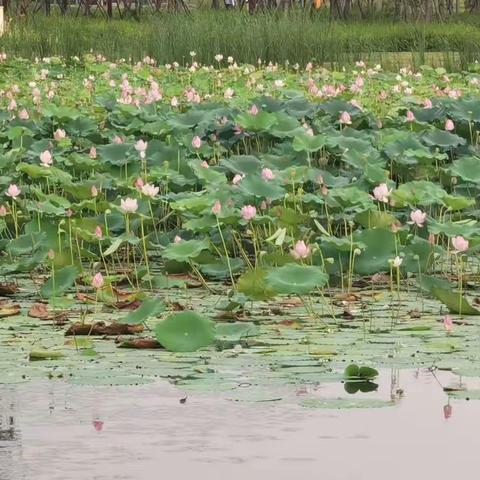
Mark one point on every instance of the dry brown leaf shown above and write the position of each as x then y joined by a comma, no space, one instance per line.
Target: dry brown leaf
101,328
8,309
8,288
140,343
40,310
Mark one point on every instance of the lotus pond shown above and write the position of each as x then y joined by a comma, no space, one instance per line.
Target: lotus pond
243,230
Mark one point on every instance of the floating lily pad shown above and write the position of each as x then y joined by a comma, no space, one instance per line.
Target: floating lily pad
296,279
185,332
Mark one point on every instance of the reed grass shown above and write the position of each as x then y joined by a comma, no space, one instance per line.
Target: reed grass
277,37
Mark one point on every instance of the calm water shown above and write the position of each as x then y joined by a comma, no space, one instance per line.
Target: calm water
55,431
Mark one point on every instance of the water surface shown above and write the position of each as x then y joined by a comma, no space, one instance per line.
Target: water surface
56,431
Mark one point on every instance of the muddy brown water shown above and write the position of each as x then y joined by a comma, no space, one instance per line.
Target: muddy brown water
57,431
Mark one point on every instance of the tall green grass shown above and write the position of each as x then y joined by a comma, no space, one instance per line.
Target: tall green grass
278,37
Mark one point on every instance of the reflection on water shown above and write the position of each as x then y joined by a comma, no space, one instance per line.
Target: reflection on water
10,440
55,431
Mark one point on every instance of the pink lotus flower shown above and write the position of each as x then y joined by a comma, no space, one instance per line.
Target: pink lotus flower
92,153
205,164
237,179
116,139
177,239
301,250
417,218
431,239
98,231
196,142
410,116
97,281
248,212
23,114
345,118
447,411
427,103
141,146
267,174
3,211
139,183
12,105
395,227
253,109
46,159
51,254
460,244
13,191
449,125
217,208
174,102
129,205
150,190
448,323
97,425
59,134
94,191
381,193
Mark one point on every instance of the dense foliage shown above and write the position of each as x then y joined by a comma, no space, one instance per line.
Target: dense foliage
254,182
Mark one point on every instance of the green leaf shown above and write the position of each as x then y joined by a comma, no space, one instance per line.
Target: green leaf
454,301
184,250
441,290
59,282
150,307
364,373
375,219
45,355
467,168
380,247
115,153
306,143
185,332
255,123
119,241
296,279
252,284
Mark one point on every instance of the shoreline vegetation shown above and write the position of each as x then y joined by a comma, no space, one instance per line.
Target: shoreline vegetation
279,37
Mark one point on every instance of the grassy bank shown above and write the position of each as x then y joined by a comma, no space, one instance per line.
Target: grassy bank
297,37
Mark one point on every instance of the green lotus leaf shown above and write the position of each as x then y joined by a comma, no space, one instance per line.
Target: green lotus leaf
150,307
306,143
253,284
243,164
185,250
262,121
256,186
443,139
60,282
467,168
294,279
185,331
380,248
